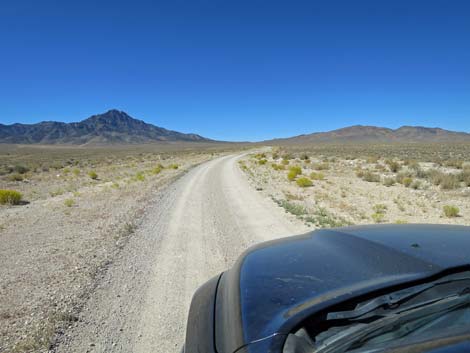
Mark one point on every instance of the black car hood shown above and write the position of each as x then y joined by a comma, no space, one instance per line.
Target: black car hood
280,282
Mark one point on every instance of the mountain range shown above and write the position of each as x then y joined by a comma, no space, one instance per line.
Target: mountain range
117,127
112,127
374,134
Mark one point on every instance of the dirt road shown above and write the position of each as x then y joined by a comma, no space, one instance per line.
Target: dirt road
192,230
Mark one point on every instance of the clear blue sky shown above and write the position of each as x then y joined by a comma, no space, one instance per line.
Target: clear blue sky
238,70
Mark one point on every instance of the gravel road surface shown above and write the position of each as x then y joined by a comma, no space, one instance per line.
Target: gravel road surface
191,231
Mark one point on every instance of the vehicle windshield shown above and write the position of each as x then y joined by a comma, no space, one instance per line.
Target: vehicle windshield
409,316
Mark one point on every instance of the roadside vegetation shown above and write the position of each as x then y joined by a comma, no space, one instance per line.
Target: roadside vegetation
64,213
361,184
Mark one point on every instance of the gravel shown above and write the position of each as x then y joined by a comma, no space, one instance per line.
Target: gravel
190,231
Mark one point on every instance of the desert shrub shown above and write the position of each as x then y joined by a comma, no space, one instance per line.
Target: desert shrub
10,197
139,176
56,165
285,161
372,160
380,208
449,182
296,169
291,207
304,182
412,164
15,177
157,169
465,176
304,157
76,171
371,177
416,184
20,169
324,219
69,202
402,176
389,181
360,173
92,174
421,173
407,181
379,213
321,166
317,176
454,163
394,166
260,156
291,175
56,192
287,156
278,166
451,211
173,166
434,176
378,217
262,161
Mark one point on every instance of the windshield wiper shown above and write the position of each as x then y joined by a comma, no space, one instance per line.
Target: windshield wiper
389,300
406,322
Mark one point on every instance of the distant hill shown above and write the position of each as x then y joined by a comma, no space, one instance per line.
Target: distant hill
374,134
111,127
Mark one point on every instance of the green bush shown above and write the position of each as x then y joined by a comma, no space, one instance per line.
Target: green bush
10,197
92,174
140,176
69,202
407,181
291,207
304,182
157,169
294,171
262,161
291,175
285,161
378,217
278,166
173,166
451,211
